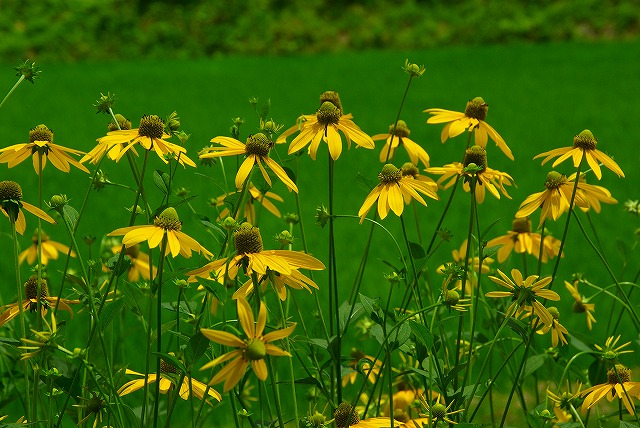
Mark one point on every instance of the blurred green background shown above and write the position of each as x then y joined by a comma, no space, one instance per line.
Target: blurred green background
547,72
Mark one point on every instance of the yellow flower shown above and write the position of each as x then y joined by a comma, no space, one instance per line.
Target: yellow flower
40,147
473,120
149,135
554,201
249,206
140,264
249,249
394,191
558,331
618,385
105,147
525,293
410,170
324,125
400,136
280,282
584,144
610,351
31,301
252,350
11,202
521,239
488,179
581,304
168,379
364,364
256,151
455,271
50,250
44,340
168,225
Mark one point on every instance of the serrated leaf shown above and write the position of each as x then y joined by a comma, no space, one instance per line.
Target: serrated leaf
260,183
400,336
422,333
533,363
376,332
70,215
118,269
133,297
162,180
109,313
320,343
370,305
344,311
419,265
624,424
264,109
196,348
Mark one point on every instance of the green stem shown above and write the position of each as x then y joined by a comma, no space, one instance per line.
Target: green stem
291,370
12,89
163,248
334,305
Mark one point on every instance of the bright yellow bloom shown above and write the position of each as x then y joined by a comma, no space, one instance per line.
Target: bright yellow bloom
40,147
255,151
50,250
521,239
611,351
364,364
584,144
252,350
563,403
558,331
280,282
324,125
105,147
525,293
149,135
581,305
168,225
250,253
554,200
168,379
394,191
400,136
618,385
140,263
249,207
11,202
472,120
30,302
488,179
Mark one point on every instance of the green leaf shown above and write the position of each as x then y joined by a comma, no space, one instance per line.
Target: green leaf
122,267
422,333
320,343
376,332
231,201
290,173
518,326
400,336
9,341
370,305
109,313
133,297
533,363
597,373
70,215
417,252
309,381
345,309
365,182
264,109
624,424
488,229
162,181
196,347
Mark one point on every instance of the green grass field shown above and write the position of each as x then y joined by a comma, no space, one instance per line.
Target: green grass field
540,96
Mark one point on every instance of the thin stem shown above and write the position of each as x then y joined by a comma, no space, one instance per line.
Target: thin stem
20,80
163,248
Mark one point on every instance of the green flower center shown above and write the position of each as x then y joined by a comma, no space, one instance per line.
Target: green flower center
409,169
258,144
341,416
317,420
401,129
554,180
255,350
40,133
333,98
151,126
10,190
94,405
452,298
247,239
521,225
168,220
618,374
389,174
124,123
328,113
400,416
476,155
578,307
477,109
31,288
438,411
585,140
555,313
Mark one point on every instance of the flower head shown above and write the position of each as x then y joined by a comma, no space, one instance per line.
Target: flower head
11,202
521,239
618,385
399,135
28,70
167,226
40,148
363,364
455,271
581,304
584,144
50,250
326,125
250,351
106,147
255,151
473,120
611,351
140,266
558,331
394,191
255,195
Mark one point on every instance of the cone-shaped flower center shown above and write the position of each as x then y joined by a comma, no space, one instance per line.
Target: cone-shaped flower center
40,133
410,169
585,140
476,155
521,225
166,367
168,220
34,238
255,350
452,298
400,416
328,113
401,129
555,313
94,405
341,416
389,174
10,190
317,420
124,123
151,126
578,307
477,109
247,239
554,180
31,288
623,374
258,144
333,98
438,411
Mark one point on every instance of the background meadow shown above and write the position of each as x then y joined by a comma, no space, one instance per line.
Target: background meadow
539,97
